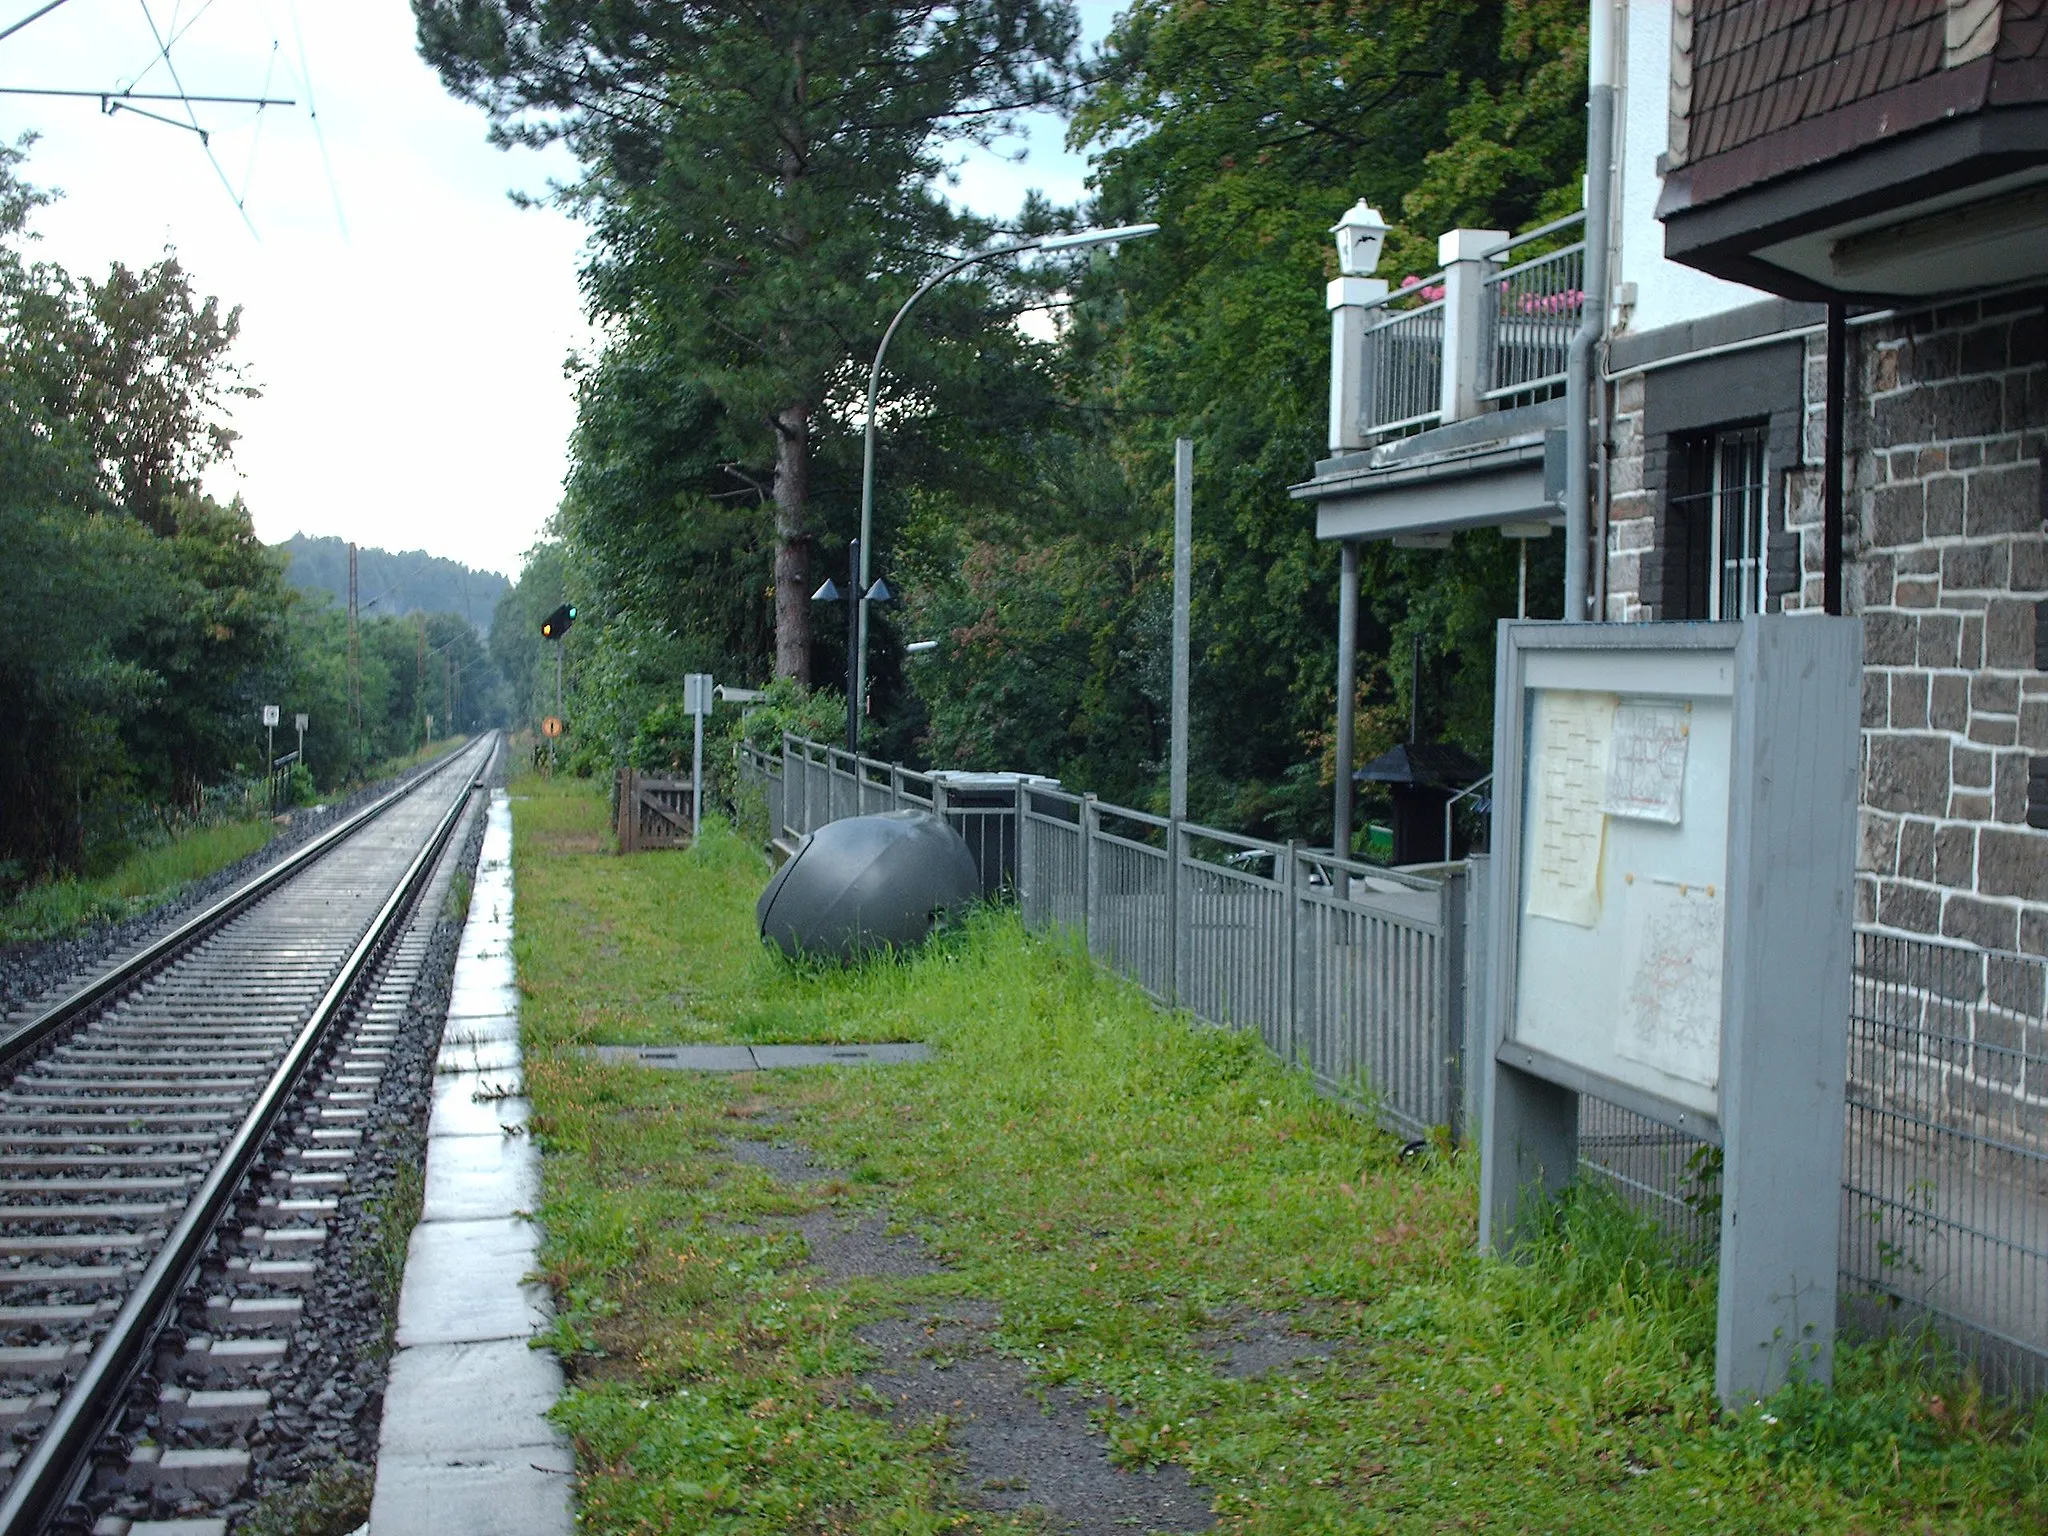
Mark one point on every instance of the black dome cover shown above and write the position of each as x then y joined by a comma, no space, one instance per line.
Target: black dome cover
867,883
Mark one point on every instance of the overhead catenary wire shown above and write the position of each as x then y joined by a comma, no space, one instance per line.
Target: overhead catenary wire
170,65
36,15
313,114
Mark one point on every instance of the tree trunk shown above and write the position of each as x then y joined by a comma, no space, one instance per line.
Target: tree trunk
793,543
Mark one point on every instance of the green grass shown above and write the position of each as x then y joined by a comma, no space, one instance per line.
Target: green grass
1118,1182
138,883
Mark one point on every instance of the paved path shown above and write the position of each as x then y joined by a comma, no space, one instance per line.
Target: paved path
466,1448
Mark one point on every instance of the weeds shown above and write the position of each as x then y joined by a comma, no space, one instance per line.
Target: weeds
1118,1186
140,882
334,1501
393,1215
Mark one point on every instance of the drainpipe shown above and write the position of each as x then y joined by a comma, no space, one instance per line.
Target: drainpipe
1831,467
1579,379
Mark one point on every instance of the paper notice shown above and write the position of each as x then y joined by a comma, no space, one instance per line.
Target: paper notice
1671,980
1569,784
1646,762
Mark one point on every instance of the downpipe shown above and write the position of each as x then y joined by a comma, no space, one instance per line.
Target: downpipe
1580,375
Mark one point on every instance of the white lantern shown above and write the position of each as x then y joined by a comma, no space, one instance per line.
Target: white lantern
1360,234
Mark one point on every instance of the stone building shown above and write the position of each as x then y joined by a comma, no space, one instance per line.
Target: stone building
1826,226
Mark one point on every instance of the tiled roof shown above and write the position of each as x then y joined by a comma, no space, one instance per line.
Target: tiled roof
1759,66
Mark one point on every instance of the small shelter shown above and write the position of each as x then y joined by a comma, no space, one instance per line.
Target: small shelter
1422,777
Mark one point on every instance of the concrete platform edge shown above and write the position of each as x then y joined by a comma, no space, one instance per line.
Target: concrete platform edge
466,1445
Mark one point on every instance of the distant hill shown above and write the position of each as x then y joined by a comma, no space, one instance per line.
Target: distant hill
393,584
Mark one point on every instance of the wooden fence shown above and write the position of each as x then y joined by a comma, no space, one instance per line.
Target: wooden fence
653,813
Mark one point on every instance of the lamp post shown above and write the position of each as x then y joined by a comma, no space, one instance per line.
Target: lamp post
857,623
856,616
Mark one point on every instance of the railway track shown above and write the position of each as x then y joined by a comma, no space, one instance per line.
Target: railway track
132,1113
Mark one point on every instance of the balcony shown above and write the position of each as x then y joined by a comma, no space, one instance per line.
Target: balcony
1446,393
1490,331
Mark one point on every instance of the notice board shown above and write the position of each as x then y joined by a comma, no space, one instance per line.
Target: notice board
1620,922
1670,930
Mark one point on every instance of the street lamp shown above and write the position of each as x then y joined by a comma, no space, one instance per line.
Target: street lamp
857,623
856,610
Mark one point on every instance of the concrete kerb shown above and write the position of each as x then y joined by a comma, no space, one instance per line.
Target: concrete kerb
466,1448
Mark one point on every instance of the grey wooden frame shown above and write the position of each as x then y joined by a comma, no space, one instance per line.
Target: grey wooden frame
1785,985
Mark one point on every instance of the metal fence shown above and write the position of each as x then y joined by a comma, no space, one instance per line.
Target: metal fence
1356,973
1365,976
1404,359
1945,1213
1533,307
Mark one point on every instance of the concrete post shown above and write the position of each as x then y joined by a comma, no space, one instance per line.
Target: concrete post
1466,257
1349,300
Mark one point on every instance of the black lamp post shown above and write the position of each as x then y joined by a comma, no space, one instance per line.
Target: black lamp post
878,592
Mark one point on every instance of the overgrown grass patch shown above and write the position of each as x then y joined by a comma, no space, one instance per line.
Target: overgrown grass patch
1121,1185
143,880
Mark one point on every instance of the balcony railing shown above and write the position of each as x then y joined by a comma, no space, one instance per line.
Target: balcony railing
1534,305
1404,359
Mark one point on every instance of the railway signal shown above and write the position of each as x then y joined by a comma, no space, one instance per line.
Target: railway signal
553,627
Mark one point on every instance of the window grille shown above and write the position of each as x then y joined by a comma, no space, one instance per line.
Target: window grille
1717,524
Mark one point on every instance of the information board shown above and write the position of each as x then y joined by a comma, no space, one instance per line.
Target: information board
1670,930
1621,931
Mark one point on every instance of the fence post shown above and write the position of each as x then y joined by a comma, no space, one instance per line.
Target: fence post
938,797
1024,872
1451,985
1173,912
895,786
1349,300
1290,885
1090,877
1465,256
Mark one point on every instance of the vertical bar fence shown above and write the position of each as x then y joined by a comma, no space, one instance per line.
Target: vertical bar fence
1534,305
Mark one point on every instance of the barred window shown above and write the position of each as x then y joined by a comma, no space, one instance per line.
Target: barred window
1717,524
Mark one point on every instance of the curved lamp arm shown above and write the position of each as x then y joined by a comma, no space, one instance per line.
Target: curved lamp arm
1071,242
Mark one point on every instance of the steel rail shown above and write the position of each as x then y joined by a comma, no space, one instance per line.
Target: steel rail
50,1475
33,1032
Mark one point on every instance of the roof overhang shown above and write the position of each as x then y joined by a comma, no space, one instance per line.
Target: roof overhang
1958,205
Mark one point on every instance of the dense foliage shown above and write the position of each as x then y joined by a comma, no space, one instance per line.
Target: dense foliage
145,624
1023,507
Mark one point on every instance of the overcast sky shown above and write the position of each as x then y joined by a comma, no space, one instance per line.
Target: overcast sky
406,323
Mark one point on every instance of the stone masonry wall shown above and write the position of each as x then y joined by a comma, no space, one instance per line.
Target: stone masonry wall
1947,562
1951,563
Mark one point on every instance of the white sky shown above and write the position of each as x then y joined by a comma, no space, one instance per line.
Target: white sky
409,344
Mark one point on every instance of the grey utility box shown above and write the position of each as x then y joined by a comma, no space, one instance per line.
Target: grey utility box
1674,853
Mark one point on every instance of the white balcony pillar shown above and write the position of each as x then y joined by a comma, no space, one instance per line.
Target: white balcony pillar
1466,257
1348,298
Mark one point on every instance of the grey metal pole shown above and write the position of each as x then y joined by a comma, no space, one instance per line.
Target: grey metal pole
1579,379
867,450
1347,697
859,663
696,777
1183,576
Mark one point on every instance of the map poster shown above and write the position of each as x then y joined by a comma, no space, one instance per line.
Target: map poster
1646,761
1671,946
1569,781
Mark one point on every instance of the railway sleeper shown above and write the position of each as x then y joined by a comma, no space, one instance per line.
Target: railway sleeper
115,1525
235,1314
197,1408
213,1475
207,1359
